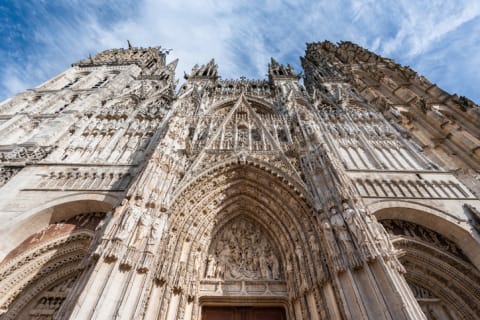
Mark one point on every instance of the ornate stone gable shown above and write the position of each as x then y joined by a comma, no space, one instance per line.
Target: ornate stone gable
241,132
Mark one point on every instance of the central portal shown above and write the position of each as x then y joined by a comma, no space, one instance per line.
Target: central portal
243,313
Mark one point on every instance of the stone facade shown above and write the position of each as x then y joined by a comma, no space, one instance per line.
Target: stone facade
352,197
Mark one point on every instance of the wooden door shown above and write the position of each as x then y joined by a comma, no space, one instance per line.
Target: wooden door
243,313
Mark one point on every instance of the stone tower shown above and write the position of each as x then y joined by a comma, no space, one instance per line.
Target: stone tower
352,197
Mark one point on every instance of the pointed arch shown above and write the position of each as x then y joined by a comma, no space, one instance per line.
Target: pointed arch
227,190
430,268
296,186
230,191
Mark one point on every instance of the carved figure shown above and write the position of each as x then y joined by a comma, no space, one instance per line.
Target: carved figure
338,225
274,266
224,260
380,235
143,226
242,251
262,260
345,241
354,225
128,222
331,244
156,231
211,266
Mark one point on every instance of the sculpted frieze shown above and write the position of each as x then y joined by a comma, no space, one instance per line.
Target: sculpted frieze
26,153
417,232
6,173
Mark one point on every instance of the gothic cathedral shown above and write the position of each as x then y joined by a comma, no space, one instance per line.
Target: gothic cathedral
350,193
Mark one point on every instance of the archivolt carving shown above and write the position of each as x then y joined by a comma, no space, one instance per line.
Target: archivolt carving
415,231
204,176
51,300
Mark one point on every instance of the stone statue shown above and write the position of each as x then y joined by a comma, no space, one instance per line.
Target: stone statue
156,231
274,266
211,266
100,229
143,226
128,222
380,236
345,241
224,260
331,244
157,227
354,224
338,225
262,260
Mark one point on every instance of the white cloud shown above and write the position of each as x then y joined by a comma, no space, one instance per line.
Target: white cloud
422,24
242,35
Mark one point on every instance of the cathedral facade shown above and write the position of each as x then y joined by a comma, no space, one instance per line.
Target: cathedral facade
352,194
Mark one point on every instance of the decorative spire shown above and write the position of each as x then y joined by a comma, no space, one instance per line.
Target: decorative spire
208,71
279,71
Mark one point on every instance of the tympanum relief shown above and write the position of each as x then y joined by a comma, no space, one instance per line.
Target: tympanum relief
243,250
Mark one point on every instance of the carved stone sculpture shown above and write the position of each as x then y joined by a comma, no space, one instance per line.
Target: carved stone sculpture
243,251
128,221
344,238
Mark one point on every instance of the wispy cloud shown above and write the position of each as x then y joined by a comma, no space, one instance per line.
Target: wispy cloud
41,39
422,24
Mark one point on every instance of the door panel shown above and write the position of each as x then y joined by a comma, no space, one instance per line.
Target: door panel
243,313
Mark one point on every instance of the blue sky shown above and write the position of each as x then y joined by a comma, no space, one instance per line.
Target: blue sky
41,38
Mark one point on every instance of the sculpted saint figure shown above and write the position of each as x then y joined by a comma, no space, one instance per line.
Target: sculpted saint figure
211,266
332,245
274,266
353,223
128,222
143,226
338,224
224,260
155,233
329,237
262,259
100,229
157,227
345,241
380,236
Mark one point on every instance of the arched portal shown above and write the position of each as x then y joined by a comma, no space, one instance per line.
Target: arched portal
239,235
431,218
439,271
38,277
